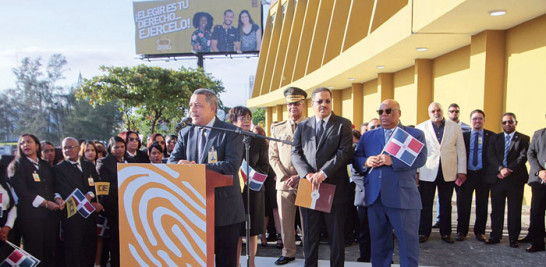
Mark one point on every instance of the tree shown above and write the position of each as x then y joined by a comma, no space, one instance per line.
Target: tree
147,94
258,116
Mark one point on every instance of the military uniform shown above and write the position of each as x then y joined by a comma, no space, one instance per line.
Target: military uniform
279,159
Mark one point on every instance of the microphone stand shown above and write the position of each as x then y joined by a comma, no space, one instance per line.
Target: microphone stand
246,140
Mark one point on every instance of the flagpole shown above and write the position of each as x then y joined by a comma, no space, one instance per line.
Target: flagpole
246,141
383,150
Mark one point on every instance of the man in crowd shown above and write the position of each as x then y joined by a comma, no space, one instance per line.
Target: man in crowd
80,234
195,145
373,124
170,143
287,176
476,143
322,149
225,37
453,113
391,193
363,128
507,154
446,162
537,180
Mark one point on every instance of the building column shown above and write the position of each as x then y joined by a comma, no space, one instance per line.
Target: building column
358,104
425,87
268,120
385,85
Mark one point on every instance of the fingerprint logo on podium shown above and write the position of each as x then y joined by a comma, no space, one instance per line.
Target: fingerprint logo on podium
162,215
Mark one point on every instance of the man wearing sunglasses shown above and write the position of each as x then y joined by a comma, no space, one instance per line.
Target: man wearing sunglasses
446,163
453,113
321,151
508,174
391,193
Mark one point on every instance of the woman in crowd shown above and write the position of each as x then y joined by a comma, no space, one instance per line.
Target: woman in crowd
88,151
258,160
171,143
200,38
48,152
157,138
34,183
155,151
107,169
9,210
250,33
101,150
134,154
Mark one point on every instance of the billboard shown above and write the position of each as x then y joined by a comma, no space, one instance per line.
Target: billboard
197,26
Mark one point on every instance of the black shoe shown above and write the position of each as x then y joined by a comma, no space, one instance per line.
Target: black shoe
526,239
533,249
514,244
283,260
492,240
363,259
436,224
423,238
460,237
481,237
448,239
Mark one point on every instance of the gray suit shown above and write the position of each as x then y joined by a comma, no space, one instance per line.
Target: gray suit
537,159
229,210
331,155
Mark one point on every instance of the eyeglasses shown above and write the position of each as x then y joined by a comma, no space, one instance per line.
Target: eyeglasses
171,141
327,101
160,142
507,122
131,139
375,126
294,104
388,111
69,147
453,111
244,118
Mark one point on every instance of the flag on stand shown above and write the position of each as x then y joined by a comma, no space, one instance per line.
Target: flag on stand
102,188
19,257
256,179
78,200
404,146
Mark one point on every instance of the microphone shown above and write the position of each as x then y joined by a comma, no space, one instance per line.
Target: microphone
185,122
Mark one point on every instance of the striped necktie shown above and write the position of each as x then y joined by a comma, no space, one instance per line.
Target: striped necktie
506,149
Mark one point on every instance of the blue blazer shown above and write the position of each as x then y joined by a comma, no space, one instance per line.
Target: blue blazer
396,183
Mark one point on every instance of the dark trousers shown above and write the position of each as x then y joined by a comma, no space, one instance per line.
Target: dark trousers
500,192
538,207
40,238
474,182
80,240
226,239
351,220
445,192
364,234
335,222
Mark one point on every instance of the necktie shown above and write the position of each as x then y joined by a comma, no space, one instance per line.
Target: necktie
202,143
388,134
77,165
320,130
506,148
475,153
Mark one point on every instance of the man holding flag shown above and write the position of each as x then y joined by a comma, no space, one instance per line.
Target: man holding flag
389,158
80,232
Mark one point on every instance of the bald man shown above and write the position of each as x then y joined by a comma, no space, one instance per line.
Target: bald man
391,193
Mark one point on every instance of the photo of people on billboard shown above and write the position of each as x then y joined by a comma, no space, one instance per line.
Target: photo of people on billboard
197,26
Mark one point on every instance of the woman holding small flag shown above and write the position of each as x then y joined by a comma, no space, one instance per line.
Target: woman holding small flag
259,163
34,184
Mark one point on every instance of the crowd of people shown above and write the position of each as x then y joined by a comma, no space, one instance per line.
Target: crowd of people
378,195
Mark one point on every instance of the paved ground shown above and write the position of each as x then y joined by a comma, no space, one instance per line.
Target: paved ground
436,252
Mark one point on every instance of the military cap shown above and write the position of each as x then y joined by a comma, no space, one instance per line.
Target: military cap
294,94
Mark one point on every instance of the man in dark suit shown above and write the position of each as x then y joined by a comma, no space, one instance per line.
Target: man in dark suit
194,146
507,154
476,143
321,151
537,181
391,192
80,234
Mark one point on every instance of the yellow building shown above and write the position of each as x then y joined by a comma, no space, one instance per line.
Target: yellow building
481,54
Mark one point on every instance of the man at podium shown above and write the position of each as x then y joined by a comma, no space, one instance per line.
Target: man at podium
222,152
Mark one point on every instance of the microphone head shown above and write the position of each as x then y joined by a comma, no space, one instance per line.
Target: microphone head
185,122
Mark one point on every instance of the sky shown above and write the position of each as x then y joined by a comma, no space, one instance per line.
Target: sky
94,33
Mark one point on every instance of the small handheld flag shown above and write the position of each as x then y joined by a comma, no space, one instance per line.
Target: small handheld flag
403,146
256,179
83,206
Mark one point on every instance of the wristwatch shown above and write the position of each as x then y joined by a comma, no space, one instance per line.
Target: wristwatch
91,194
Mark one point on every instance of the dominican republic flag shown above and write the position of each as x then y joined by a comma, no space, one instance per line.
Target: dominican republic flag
83,206
19,257
102,226
256,179
403,146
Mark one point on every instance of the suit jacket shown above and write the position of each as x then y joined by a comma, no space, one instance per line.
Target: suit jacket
537,157
331,155
517,157
280,153
358,179
69,177
258,158
485,145
26,188
229,207
107,168
396,183
451,152
140,157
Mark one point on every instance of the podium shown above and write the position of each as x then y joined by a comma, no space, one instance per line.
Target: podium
166,214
